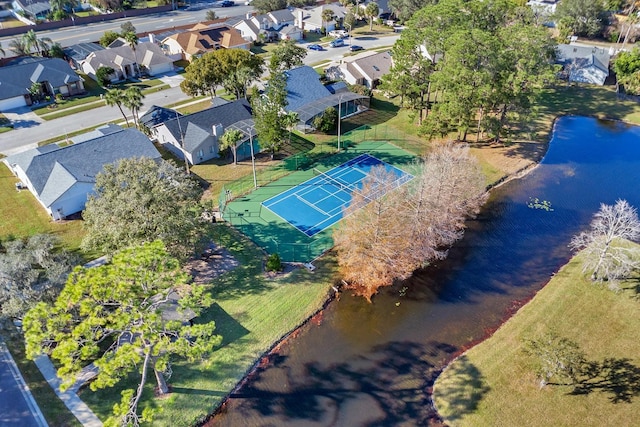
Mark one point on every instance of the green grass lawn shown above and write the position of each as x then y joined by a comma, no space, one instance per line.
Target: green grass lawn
5,124
251,313
494,383
23,216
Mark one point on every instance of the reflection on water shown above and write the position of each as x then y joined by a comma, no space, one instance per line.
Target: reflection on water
372,364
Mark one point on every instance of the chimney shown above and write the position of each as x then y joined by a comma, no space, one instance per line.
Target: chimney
299,22
248,16
152,38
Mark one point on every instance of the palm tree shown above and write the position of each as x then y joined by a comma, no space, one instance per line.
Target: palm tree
327,16
133,100
18,47
116,97
372,10
230,139
31,41
132,41
289,121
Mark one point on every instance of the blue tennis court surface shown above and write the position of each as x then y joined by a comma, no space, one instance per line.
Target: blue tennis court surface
318,203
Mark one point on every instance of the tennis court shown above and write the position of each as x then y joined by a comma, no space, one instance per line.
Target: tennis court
319,202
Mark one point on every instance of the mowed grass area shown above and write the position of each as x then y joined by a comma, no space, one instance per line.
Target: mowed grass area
23,216
251,313
494,383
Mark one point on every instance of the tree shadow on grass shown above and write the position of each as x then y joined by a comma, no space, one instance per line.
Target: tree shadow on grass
616,377
464,389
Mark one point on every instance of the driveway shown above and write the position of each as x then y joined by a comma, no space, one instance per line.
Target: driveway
23,117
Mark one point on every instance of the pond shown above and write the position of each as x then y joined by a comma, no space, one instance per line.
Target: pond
373,364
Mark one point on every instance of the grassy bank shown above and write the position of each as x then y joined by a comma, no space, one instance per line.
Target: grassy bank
494,382
251,312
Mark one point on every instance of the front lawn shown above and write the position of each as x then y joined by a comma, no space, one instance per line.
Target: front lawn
251,313
494,383
23,216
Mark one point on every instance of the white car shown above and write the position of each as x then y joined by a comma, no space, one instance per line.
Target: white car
339,34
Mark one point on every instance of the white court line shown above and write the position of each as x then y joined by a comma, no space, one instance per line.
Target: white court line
311,205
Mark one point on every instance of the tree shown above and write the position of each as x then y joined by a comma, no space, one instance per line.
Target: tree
389,232
230,140
581,17
627,68
326,121
132,99
103,76
606,251
33,42
132,41
235,68
286,56
556,357
289,121
327,16
404,9
116,97
140,200
35,90
56,51
31,271
108,37
349,20
211,15
59,8
127,27
266,6
268,112
115,316
372,11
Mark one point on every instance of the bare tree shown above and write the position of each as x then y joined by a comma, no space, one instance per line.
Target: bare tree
389,232
607,254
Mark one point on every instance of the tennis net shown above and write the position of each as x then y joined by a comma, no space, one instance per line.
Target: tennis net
331,180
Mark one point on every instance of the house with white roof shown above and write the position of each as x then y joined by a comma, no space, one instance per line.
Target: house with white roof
275,25
62,178
312,17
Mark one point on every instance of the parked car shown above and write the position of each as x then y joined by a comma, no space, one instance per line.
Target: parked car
355,47
315,47
338,34
227,3
337,43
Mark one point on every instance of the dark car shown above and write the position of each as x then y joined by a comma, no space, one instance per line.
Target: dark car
355,47
227,3
315,47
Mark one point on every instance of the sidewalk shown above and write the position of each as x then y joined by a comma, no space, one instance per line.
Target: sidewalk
71,400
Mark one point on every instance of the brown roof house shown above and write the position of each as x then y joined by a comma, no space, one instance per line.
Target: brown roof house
204,38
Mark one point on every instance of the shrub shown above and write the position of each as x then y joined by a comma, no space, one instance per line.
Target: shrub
274,263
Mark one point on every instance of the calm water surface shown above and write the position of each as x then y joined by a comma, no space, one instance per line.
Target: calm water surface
371,364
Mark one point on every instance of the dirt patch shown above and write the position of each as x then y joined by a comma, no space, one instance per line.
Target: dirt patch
511,158
213,262
287,268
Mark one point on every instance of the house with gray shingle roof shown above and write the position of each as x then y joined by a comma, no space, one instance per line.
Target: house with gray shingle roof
54,75
196,136
583,64
364,69
307,96
126,62
61,178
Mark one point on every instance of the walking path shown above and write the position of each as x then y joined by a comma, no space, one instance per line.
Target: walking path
71,400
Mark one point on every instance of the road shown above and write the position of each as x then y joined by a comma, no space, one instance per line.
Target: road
17,407
337,53
92,32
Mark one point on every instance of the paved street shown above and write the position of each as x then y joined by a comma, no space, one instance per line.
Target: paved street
17,407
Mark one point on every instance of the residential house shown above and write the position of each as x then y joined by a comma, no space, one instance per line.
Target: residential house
62,178
583,64
34,9
155,116
146,58
364,69
307,96
312,18
275,25
196,136
204,38
54,76
78,52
